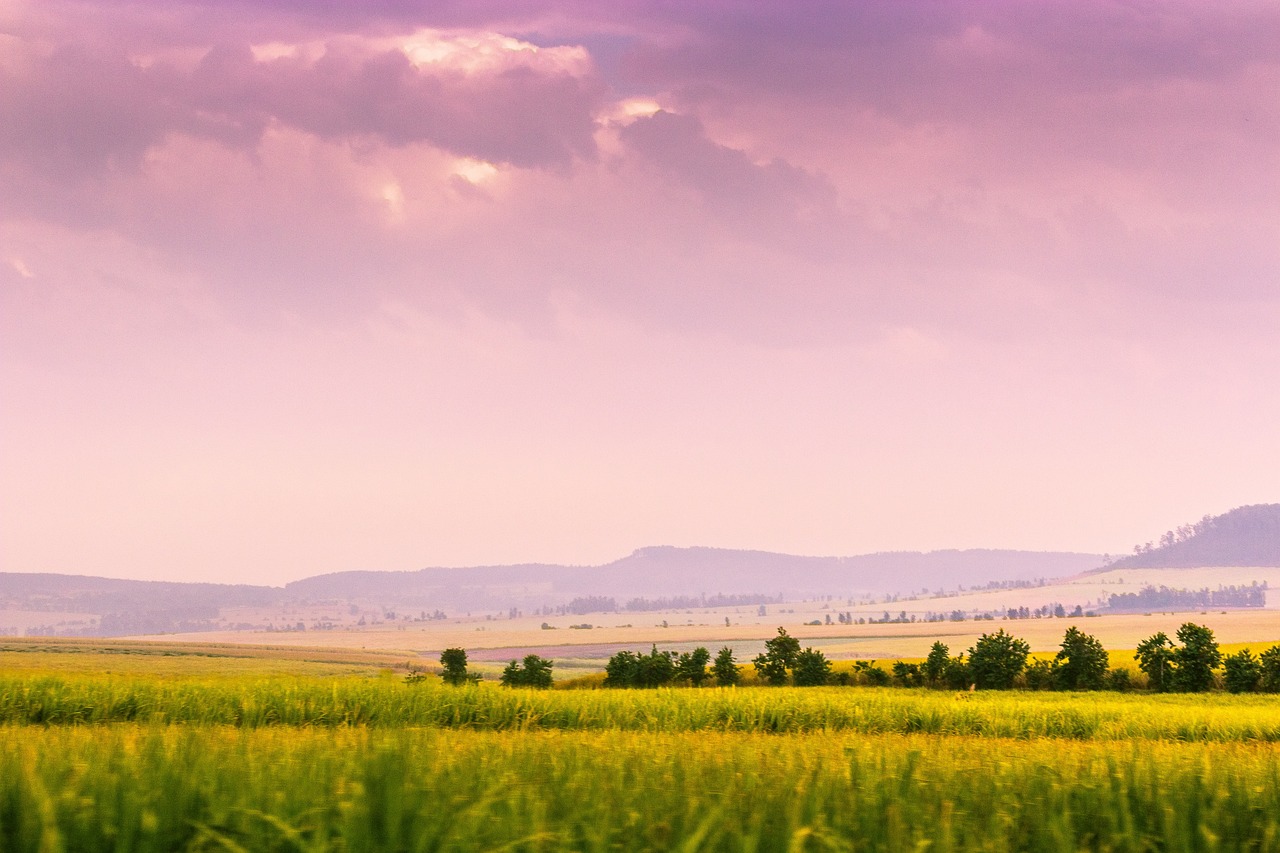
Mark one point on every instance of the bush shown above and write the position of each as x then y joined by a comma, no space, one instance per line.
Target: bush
1242,672
725,669
996,660
1118,680
1081,663
812,669
778,657
533,672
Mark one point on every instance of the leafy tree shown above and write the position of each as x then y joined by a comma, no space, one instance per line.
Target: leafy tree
692,666
935,665
1269,663
957,675
1155,657
996,659
1242,672
629,669
1117,680
455,672
622,669
656,668
868,673
907,674
779,656
1195,662
812,669
1081,663
533,672
725,669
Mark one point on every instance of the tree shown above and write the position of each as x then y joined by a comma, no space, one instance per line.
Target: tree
692,666
1241,672
629,669
621,669
996,659
812,669
957,675
656,668
1195,662
455,672
907,674
725,669
778,657
1269,663
935,665
1081,663
868,673
533,672
1155,657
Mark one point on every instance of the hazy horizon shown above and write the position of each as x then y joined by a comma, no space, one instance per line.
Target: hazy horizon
292,288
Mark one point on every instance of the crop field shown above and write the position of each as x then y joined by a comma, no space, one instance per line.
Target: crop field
277,755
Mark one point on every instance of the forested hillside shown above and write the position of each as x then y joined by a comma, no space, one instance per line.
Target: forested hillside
1245,536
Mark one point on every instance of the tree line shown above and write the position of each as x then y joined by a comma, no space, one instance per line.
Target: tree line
996,661
1164,598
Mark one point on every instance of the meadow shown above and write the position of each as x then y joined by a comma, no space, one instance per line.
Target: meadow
342,755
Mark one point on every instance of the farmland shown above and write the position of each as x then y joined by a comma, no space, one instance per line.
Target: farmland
294,749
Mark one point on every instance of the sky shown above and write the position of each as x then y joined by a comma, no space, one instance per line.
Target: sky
291,287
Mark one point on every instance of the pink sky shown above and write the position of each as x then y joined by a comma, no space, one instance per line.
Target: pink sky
294,287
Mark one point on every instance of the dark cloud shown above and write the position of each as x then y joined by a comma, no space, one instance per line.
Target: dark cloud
83,110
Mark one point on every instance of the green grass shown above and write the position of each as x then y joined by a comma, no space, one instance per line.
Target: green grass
388,703
260,759
213,788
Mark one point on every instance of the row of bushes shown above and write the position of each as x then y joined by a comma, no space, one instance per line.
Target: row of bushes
996,661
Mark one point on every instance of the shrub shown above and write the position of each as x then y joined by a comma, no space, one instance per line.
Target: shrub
996,660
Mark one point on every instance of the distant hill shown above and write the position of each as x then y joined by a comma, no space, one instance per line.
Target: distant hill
124,607
668,571
1245,536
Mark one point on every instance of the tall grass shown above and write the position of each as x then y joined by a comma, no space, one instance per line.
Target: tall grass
253,703
144,788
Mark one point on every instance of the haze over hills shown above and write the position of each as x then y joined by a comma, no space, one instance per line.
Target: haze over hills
103,606
1246,536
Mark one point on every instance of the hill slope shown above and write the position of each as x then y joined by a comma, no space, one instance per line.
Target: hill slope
1245,536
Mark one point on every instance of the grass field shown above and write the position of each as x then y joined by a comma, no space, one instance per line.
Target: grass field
306,752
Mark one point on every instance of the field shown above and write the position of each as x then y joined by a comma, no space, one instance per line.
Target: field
222,748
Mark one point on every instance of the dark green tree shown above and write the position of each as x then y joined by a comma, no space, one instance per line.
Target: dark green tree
622,669
692,666
1081,663
1242,672
869,674
454,662
996,659
1155,657
725,669
1117,680
935,665
778,657
812,669
957,675
1196,660
1269,662
656,668
907,674
533,672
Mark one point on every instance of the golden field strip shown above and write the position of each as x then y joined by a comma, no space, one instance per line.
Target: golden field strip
109,745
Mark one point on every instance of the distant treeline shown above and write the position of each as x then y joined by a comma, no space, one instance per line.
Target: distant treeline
1164,598
608,604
